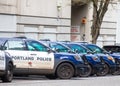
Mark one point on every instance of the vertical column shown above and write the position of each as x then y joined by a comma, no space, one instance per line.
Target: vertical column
118,24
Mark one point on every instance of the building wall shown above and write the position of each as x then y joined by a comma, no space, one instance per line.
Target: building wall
108,28
8,6
35,18
51,19
79,12
8,21
118,24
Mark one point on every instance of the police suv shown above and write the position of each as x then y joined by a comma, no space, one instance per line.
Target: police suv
112,65
6,67
32,57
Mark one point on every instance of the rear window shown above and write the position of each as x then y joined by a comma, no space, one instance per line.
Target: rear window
112,48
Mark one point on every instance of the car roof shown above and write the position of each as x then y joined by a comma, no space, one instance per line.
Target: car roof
111,46
79,45
16,38
3,39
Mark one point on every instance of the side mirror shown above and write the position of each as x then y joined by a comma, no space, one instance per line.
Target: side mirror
49,50
110,52
56,49
76,51
70,51
88,52
105,52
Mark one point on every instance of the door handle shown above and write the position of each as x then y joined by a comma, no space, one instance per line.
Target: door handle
33,54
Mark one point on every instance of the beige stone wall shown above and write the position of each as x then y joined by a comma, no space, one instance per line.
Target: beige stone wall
8,6
41,15
35,18
46,8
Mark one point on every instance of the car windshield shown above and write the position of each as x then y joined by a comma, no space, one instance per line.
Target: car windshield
59,47
94,48
36,46
78,48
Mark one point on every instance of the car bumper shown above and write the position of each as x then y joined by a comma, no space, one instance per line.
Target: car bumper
113,68
98,67
116,66
80,68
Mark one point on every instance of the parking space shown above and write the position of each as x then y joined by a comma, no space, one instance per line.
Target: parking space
108,80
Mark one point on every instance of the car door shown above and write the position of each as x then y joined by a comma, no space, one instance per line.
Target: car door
42,58
2,61
17,49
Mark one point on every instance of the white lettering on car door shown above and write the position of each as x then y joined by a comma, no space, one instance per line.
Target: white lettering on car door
20,58
42,60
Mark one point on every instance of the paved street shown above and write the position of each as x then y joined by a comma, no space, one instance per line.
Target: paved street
88,81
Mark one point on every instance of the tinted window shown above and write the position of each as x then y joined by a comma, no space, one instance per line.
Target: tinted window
15,45
112,48
94,48
36,46
59,47
79,48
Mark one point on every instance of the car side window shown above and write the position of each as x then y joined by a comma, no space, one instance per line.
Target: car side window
95,49
59,47
15,45
78,48
36,46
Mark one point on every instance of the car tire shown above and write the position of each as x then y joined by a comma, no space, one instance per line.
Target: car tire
9,74
103,72
65,71
87,71
117,72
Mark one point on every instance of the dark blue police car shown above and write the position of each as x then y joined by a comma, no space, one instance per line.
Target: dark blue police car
95,64
114,51
108,59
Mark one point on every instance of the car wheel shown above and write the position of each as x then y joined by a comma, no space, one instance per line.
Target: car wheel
117,72
9,74
51,76
86,71
65,71
104,71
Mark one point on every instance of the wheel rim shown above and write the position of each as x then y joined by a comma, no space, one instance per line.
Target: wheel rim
104,71
86,72
10,73
65,71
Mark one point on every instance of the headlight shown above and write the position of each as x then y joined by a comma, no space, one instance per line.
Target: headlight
111,58
96,58
78,58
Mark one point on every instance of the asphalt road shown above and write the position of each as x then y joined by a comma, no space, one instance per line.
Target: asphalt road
76,81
